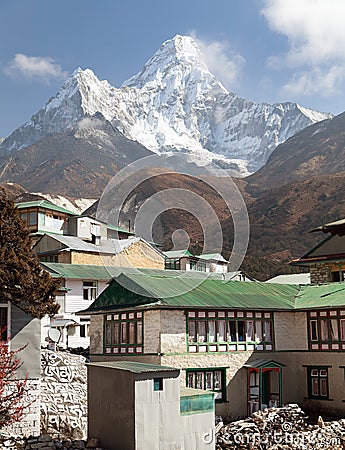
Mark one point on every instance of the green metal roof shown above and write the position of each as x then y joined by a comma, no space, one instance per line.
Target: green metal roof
263,363
132,288
81,271
45,205
322,296
121,230
134,367
178,253
213,256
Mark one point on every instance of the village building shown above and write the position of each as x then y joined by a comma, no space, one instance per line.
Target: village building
85,269
326,261
82,251
42,216
254,345
185,260
149,409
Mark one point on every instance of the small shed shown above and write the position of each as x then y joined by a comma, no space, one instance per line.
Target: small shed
134,406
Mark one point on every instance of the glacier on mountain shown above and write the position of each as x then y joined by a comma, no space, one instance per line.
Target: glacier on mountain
173,104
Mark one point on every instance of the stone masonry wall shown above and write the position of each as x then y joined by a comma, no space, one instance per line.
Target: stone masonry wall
173,331
319,274
290,331
96,333
30,424
138,255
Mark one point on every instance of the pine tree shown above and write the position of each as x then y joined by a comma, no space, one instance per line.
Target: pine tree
22,280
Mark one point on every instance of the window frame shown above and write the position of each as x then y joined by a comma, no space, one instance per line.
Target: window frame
116,333
318,377
326,330
197,371
91,290
237,326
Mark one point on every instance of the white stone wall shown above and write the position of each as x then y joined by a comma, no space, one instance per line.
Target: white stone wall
63,394
173,331
30,423
291,331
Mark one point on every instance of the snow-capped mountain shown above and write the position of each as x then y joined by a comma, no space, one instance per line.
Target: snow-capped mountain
174,103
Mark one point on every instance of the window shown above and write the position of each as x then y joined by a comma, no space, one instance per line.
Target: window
89,290
83,331
171,263
318,382
33,218
212,379
326,330
229,331
123,333
158,384
337,276
201,266
95,229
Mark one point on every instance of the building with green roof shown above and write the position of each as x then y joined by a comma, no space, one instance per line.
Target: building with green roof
185,260
253,344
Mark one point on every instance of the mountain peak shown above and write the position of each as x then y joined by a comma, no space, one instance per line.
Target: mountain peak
184,47
179,52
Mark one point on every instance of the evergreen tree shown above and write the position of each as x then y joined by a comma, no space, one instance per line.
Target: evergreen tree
22,280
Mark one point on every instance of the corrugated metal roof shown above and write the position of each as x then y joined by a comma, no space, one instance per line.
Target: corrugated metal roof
134,367
212,257
160,288
178,253
122,230
322,296
81,271
108,246
46,205
144,289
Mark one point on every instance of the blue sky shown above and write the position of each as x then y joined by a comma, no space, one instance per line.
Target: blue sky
263,50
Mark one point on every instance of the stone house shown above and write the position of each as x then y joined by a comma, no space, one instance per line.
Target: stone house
132,252
326,261
252,344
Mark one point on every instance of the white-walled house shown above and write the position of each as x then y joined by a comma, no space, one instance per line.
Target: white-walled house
185,260
81,284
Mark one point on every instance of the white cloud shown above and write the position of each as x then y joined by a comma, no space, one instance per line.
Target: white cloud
315,81
221,60
37,68
315,35
314,28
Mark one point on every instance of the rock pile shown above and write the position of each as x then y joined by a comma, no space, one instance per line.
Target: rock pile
281,428
46,442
